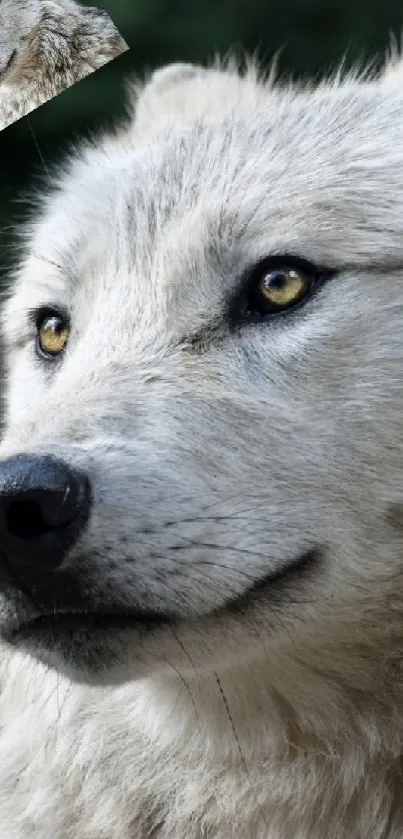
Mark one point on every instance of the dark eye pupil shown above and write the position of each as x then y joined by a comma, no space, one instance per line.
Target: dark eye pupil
55,324
52,334
276,280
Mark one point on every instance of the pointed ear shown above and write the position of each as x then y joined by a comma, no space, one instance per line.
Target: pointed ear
179,94
173,76
165,96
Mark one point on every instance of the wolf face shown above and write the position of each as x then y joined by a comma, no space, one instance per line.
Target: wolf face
221,283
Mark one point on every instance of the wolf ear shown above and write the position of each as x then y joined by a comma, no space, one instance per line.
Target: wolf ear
180,94
173,75
165,96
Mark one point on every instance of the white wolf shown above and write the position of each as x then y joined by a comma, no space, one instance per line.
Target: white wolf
47,46
201,494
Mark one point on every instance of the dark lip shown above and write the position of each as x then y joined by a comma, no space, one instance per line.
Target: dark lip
88,621
55,622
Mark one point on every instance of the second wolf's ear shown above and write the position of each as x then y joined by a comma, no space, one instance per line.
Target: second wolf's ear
165,96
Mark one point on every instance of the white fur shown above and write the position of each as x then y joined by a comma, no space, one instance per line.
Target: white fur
55,44
215,465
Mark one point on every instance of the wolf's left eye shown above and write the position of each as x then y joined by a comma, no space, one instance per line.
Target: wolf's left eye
52,334
274,288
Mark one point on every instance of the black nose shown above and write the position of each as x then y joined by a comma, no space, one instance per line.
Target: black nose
44,506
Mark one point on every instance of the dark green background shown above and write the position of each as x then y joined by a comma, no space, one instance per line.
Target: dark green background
312,35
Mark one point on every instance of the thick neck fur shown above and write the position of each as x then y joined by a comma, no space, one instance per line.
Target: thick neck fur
304,741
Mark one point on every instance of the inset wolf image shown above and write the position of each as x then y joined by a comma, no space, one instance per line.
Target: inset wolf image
201,492
45,47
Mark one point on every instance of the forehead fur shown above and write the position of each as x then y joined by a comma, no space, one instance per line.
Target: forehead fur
247,170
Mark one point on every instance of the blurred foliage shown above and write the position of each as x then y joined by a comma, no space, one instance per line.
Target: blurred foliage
311,36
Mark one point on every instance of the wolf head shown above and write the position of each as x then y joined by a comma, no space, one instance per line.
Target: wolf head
206,327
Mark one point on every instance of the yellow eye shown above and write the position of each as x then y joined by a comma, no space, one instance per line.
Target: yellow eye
276,285
53,334
284,287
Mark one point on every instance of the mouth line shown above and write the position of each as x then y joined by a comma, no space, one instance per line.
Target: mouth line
278,581
88,621
59,621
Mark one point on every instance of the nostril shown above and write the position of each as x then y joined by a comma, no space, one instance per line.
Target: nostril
25,519
44,506
35,511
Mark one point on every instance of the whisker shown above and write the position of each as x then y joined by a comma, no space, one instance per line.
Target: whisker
241,754
37,146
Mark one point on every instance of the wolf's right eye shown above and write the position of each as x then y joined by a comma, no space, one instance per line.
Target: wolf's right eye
281,288
277,285
53,332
